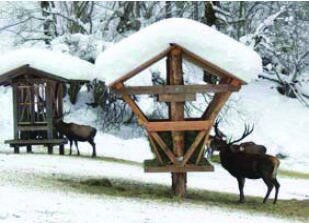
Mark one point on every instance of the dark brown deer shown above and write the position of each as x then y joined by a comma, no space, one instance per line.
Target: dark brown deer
243,165
75,132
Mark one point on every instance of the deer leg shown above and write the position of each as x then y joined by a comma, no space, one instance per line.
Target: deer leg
277,185
71,142
241,183
76,145
269,185
93,148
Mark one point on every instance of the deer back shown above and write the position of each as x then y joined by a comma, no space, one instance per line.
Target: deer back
247,164
82,132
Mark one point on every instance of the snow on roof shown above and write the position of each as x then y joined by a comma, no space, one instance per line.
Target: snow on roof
202,40
52,62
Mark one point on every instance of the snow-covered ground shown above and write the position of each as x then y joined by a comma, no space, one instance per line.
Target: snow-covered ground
27,199
280,123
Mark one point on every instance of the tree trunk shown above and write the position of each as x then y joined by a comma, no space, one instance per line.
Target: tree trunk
168,9
176,110
210,19
49,27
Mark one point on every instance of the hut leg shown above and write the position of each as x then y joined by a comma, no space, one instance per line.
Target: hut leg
29,149
61,150
16,149
50,149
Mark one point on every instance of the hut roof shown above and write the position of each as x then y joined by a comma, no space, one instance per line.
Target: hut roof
45,62
205,42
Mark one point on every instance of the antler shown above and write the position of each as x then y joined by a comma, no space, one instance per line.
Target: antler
218,133
246,132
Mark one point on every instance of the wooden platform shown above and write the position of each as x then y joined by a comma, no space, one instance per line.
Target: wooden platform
153,166
25,142
50,143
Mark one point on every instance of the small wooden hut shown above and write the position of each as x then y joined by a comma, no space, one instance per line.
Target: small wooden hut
175,93
37,101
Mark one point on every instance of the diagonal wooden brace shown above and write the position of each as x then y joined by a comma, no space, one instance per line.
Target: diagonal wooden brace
193,147
164,147
155,149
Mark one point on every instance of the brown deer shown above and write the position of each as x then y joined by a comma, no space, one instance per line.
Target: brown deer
75,132
243,165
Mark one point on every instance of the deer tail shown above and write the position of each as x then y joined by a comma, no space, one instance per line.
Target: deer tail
93,132
276,163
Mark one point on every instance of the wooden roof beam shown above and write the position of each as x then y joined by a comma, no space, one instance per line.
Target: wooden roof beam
141,67
177,126
208,66
178,89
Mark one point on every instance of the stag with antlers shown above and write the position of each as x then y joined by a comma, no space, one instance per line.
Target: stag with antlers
243,165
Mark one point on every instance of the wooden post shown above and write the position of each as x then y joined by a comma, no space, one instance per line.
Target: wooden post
49,108
15,110
176,113
61,149
16,149
29,149
50,149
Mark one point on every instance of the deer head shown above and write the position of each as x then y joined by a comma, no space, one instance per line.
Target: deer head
58,118
219,140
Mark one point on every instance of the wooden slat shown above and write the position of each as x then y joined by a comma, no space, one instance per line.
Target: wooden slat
177,89
36,142
179,169
176,97
206,166
32,128
141,67
177,126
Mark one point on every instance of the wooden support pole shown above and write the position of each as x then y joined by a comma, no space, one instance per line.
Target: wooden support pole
176,111
50,149
15,111
29,149
49,108
61,149
16,149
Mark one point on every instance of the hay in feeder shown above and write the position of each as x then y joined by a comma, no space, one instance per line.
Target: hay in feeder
189,137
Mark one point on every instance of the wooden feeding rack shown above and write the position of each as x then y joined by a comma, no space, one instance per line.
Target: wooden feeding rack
37,100
175,94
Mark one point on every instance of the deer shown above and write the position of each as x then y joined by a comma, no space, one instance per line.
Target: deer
247,147
242,165
75,132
